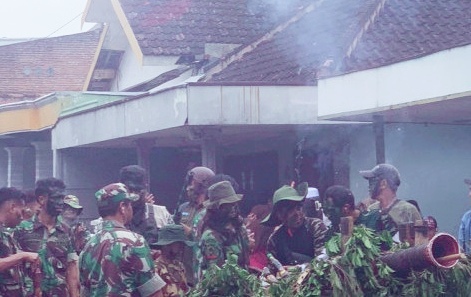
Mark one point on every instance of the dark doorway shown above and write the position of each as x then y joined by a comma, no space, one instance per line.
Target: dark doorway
168,168
317,168
257,175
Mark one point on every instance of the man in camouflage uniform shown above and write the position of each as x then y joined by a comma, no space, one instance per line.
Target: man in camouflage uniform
383,182
116,261
169,266
79,233
298,239
224,233
47,235
190,213
11,260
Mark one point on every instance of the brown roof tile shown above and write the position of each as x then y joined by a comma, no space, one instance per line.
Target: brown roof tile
403,29
406,29
296,54
36,68
176,27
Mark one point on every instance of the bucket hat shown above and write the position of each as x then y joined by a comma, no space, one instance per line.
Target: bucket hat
285,193
220,193
170,234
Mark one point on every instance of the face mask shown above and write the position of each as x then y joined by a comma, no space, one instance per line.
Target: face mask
373,187
229,210
332,212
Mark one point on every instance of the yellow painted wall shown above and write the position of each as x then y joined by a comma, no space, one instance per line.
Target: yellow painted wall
29,118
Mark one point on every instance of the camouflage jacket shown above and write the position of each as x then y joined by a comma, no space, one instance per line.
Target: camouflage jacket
11,280
216,247
117,262
192,217
401,212
173,274
79,235
55,252
299,245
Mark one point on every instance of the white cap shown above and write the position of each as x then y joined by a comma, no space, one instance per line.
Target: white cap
312,193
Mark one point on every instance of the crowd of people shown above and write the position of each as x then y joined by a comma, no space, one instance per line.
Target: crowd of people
138,248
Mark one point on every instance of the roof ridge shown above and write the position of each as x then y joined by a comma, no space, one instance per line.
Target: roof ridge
224,63
369,21
53,38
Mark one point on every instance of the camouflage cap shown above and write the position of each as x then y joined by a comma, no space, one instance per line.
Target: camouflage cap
72,201
113,194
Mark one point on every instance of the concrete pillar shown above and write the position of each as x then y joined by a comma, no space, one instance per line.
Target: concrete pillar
208,153
3,168
144,148
44,159
58,164
378,127
15,166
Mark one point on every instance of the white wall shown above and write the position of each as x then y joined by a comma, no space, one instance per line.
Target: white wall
443,73
131,72
432,161
122,119
209,105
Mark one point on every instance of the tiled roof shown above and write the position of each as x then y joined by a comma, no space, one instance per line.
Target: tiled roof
36,68
402,30
176,27
406,29
296,54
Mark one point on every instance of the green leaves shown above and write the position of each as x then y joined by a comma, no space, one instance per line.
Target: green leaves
229,280
355,272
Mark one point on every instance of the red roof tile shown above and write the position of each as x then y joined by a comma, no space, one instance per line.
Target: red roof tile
296,54
176,27
36,68
406,29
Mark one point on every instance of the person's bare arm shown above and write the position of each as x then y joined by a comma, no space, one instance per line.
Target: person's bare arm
72,279
12,260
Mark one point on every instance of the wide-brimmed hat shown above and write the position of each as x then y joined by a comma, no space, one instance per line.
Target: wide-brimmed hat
285,193
72,201
170,234
221,193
